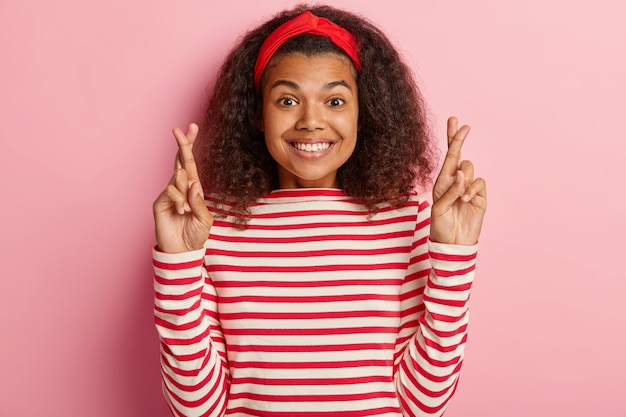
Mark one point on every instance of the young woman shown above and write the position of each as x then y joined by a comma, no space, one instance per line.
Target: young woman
299,273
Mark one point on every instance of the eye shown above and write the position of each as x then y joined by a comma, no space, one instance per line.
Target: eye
287,101
335,102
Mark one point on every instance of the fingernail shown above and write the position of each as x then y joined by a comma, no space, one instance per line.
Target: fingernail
466,198
187,207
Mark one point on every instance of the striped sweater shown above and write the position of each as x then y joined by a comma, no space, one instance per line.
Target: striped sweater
315,309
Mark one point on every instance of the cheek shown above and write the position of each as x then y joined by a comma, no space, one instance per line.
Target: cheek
350,119
349,125
275,146
273,123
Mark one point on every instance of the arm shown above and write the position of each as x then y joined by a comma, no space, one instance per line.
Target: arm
435,293
193,360
434,321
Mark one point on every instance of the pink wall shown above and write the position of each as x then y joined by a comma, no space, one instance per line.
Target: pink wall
89,94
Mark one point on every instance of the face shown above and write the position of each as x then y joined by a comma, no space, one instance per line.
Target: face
310,117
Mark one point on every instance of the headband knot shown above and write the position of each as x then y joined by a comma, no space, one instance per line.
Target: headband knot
306,22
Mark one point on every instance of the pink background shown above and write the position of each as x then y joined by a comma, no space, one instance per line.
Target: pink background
89,92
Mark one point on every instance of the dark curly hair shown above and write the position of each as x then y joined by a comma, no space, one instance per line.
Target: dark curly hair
393,154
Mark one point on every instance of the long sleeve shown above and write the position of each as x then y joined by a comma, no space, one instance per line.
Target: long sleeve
193,359
434,319
323,309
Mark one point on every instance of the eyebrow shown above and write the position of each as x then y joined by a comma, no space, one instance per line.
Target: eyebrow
327,86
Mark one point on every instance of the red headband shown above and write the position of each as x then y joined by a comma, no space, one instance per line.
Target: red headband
307,22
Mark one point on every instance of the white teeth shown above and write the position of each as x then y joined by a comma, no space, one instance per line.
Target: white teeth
312,147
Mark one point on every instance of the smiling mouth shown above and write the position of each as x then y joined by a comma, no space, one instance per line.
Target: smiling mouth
311,147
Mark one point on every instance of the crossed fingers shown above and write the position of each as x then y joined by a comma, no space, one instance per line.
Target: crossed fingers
185,167
456,179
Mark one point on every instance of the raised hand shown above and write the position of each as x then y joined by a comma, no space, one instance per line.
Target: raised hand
459,200
182,220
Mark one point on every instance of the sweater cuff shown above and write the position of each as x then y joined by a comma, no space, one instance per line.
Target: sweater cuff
453,260
178,266
174,258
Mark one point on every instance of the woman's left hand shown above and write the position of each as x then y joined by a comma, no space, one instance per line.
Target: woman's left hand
459,200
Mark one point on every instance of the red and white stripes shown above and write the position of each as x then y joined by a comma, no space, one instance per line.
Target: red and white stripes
315,309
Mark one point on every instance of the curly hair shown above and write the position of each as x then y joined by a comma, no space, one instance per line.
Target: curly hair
394,151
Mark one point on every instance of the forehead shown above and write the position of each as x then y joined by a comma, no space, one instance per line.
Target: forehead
301,67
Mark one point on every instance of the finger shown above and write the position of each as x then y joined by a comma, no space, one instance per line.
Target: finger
185,150
177,163
176,198
453,156
468,170
182,184
453,193
453,127
175,174
180,181
195,197
477,188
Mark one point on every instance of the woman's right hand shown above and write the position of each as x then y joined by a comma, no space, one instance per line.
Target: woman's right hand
182,220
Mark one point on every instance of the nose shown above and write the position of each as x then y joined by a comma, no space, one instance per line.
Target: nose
312,117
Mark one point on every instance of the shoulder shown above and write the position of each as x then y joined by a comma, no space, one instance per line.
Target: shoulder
418,200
